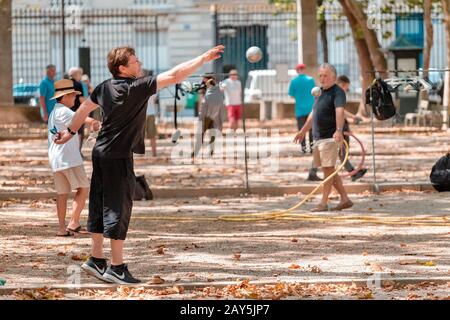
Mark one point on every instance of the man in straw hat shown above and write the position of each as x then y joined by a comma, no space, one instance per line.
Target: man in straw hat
65,160
123,99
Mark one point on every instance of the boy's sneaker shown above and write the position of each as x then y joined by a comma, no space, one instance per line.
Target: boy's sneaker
95,267
120,275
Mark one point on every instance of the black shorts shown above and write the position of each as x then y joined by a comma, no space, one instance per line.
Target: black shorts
111,197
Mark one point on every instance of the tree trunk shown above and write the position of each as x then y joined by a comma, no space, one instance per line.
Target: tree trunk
427,5
323,33
324,38
373,45
365,62
6,98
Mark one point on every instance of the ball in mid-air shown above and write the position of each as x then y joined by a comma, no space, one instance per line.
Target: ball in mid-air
254,54
316,92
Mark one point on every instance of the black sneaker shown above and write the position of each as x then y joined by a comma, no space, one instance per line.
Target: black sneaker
95,268
359,174
120,275
312,176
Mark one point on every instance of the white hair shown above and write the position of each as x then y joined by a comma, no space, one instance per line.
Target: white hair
74,70
330,67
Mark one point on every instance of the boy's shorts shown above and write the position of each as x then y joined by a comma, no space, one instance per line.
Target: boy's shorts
234,112
70,179
325,153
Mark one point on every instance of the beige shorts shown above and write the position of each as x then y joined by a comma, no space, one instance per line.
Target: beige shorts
151,127
325,153
70,179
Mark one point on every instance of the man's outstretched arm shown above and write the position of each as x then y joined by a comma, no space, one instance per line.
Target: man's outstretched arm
184,70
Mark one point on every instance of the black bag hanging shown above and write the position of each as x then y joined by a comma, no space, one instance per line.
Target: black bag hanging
142,189
380,98
440,174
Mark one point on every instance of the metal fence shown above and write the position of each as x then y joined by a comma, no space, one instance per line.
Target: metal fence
275,32
37,39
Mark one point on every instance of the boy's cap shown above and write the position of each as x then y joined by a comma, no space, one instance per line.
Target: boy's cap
63,87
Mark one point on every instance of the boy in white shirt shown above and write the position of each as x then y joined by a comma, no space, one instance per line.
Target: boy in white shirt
65,160
232,88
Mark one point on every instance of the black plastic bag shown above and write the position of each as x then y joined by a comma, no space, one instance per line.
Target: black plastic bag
142,190
440,174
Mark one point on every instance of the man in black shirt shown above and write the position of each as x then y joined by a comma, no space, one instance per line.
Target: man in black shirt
123,99
327,121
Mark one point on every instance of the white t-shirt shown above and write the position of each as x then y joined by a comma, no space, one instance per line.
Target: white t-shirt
232,91
62,156
151,107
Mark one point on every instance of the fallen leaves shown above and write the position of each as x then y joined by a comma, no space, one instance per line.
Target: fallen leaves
160,249
294,267
80,257
157,280
38,294
417,262
314,269
237,256
429,264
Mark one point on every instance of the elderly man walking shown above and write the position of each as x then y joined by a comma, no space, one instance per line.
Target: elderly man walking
327,122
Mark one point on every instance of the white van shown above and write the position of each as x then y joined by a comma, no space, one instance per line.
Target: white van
264,86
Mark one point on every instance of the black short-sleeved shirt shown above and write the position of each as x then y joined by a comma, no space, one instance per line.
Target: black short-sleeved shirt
324,117
124,105
78,87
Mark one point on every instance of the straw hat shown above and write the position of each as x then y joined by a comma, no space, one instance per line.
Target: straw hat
63,87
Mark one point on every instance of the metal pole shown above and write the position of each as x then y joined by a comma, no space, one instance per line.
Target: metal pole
63,39
247,185
376,188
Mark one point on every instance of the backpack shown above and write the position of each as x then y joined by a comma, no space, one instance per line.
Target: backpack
142,190
440,174
380,98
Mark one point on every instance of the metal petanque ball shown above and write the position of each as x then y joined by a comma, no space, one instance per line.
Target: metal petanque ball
254,54
316,92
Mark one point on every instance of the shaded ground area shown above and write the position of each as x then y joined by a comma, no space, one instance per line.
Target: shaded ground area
403,155
390,236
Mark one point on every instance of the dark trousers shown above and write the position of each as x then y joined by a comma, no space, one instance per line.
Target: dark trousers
111,197
301,121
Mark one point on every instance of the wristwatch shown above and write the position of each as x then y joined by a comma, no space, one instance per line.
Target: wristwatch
340,129
71,132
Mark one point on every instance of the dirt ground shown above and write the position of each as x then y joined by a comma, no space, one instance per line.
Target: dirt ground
396,241
390,237
402,156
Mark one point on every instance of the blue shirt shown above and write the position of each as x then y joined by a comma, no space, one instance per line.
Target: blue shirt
47,90
85,89
300,89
